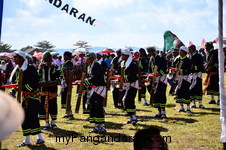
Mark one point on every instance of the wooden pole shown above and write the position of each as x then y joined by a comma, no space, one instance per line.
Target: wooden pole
121,94
80,91
20,85
153,86
68,99
140,85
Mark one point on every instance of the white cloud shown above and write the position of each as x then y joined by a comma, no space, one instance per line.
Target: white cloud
91,6
31,3
34,6
128,22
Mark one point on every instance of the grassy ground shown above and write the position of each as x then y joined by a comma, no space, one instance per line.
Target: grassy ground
199,130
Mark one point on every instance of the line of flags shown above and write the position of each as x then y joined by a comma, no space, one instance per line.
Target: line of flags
204,42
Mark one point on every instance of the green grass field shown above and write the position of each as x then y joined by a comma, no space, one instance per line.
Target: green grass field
199,130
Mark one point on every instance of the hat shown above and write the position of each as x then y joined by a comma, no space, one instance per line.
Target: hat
11,115
29,57
142,49
100,53
46,55
174,50
67,53
151,48
90,54
192,47
21,54
81,54
136,55
54,53
184,48
118,50
209,43
126,51
130,49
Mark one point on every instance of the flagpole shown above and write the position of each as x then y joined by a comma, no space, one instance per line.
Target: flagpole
1,14
221,74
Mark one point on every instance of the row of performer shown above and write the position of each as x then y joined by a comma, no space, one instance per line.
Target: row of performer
127,77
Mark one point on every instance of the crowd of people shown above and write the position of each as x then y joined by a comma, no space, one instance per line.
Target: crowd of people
130,73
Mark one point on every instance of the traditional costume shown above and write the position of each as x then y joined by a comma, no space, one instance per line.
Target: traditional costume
211,84
196,76
143,65
96,91
64,85
115,64
160,82
184,82
49,93
31,99
130,85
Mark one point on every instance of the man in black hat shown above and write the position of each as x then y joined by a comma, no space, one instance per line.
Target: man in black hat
174,62
159,88
96,92
196,75
184,81
143,65
211,84
48,72
101,61
115,63
64,88
31,98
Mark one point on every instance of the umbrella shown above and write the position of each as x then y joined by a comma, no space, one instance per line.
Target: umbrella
10,55
81,50
145,47
107,50
37,55
54,53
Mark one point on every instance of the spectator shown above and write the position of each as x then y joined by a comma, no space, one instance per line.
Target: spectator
149,139
3,66
107,60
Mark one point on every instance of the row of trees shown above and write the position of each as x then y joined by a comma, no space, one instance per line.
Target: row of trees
42,45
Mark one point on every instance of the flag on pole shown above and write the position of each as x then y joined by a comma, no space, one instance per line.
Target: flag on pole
171,41
203,43
216,40
1,13
190,43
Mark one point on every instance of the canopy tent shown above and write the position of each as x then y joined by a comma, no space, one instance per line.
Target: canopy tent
107,50
38,55
5,54
81,50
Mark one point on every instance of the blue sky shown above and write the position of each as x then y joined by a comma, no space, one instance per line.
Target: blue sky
119,22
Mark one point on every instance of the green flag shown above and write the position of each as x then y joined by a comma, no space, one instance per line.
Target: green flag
171,41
